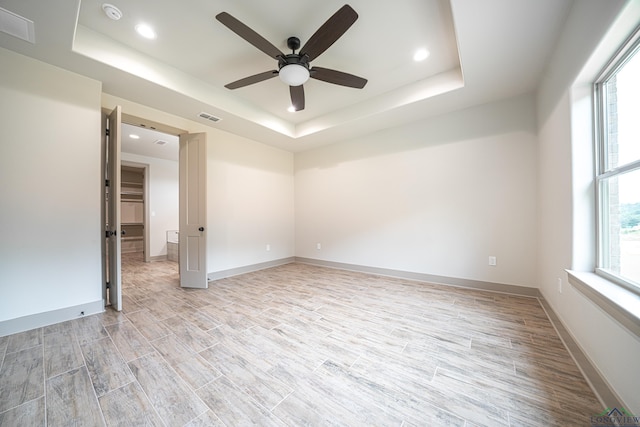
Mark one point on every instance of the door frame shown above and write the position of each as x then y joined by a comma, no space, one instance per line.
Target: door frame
145,123
111,191
103,202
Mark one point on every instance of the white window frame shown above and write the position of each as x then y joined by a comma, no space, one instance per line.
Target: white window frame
602,173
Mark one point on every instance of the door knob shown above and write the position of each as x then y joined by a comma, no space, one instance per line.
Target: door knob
123,232
201,229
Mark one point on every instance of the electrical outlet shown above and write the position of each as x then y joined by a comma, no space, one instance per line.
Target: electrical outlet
493,261
318,246
559,285
268,247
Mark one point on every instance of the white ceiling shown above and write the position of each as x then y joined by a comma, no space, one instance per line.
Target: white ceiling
480,51
149,142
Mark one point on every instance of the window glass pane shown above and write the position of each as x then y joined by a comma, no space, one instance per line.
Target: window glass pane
622,108
620,233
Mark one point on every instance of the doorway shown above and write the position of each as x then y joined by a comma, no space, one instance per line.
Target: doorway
149,190
188,163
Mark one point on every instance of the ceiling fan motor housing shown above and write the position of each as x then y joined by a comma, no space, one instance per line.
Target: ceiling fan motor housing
293,59
293,43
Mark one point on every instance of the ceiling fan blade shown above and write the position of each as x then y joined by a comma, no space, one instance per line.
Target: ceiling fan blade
256,78
329,32
249,35
297,97
337,77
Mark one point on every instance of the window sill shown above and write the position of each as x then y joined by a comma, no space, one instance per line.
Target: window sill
620,303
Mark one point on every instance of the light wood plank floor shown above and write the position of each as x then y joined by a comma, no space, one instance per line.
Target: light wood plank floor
295,345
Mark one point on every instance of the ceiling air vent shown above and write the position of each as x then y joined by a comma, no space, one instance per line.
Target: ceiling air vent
208,116
160,142
17,26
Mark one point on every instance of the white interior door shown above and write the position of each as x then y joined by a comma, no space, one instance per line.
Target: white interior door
113,210
193,210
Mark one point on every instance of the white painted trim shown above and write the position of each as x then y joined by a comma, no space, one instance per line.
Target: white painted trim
620,303
38,320
423,277
604,392
249,268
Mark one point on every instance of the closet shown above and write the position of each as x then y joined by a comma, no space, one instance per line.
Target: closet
132,209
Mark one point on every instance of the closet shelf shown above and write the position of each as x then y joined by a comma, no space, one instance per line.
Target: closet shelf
132,209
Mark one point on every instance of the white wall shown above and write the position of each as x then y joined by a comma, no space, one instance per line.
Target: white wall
250,203
50,256
249,193
436,197
162,199
565,197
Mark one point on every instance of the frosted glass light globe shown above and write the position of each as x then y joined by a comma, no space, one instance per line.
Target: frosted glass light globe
294,74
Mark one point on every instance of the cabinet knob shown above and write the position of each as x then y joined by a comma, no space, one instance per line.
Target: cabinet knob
201,229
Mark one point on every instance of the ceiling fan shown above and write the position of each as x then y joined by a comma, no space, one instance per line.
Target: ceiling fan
295,69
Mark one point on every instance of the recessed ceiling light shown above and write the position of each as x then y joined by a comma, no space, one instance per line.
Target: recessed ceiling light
291,109
146,31
134,136
421,55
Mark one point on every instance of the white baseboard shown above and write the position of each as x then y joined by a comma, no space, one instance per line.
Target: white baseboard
249,268
431,278
598,383
38,320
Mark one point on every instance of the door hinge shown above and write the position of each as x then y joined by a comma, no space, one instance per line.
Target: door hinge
107,183
108,285
106,132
